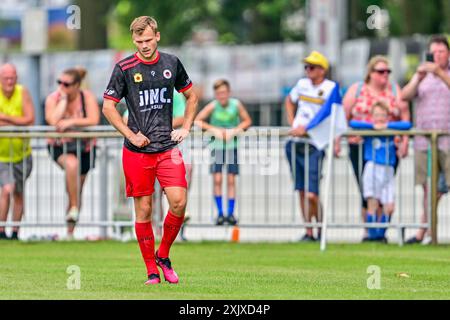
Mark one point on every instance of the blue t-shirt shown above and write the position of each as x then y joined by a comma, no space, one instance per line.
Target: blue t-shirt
379,149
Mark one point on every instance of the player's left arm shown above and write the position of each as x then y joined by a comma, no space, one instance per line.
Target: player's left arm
27,117
189,114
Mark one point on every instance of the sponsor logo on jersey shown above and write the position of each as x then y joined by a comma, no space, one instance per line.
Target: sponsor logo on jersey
138,77
153,99
167,74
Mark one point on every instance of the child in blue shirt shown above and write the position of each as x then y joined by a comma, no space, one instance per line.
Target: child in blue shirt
378,174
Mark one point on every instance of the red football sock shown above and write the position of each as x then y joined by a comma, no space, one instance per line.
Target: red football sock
172,225
146,240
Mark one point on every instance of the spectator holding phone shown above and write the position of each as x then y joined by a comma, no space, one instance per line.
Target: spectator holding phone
430,86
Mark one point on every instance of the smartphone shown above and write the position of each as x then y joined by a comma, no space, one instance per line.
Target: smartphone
429,57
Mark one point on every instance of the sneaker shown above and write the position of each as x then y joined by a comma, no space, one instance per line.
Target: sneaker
307,238
153,279
220,221
427,241
413,240
166,266
231,220
72,215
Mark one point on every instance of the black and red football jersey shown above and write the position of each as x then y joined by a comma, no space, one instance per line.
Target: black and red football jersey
147,87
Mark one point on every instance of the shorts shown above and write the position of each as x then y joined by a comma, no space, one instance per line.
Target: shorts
141,170
421,168
378,182
225,156
85,157
20,172
295,153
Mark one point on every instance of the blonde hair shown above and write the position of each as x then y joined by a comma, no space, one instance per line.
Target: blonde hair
77,73
372,63
382,105
139,24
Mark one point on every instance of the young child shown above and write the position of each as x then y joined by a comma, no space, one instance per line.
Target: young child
378,173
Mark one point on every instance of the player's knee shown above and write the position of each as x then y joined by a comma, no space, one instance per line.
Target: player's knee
178,205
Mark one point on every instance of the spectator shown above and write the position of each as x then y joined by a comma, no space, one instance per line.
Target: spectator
378,176
303,104
430,86
228,117
16,109
357,103
67,108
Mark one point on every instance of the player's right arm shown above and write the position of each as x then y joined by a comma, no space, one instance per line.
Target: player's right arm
114,93
115,119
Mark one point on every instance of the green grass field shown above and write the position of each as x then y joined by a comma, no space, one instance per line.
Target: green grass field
218,270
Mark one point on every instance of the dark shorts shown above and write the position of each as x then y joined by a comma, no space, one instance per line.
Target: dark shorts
296,156
225,156
86,164
356,155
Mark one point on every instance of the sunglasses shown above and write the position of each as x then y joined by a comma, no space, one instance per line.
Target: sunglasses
382,71
310,67
65,84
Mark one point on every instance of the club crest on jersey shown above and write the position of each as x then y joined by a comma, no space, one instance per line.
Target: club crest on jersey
138,77
167,74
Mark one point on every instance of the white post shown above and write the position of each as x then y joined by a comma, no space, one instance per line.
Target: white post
326,193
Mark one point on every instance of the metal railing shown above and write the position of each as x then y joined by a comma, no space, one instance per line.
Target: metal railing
267,207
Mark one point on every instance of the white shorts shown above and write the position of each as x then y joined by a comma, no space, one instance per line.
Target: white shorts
378,182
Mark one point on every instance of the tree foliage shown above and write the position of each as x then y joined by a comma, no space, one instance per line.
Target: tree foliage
249,21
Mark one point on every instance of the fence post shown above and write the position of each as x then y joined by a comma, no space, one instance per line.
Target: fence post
104,189
434,185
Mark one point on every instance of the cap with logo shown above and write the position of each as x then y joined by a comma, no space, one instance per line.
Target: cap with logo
318,59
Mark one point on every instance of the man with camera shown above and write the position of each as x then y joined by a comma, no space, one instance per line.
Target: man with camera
430,86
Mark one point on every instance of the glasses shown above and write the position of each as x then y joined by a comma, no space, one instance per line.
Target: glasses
382,71
65,84
310,67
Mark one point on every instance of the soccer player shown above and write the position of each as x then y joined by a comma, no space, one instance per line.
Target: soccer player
146,80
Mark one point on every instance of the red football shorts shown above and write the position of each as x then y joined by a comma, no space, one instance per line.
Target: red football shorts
141,169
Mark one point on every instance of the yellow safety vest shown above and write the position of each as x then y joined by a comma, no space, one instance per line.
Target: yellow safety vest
13,149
